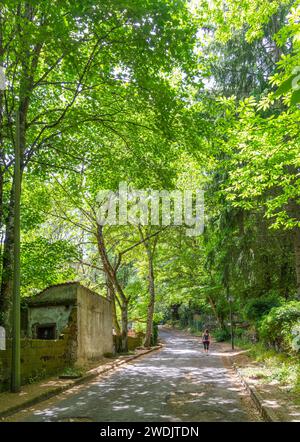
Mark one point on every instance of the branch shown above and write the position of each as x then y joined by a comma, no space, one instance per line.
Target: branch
135,245
66,218
92,265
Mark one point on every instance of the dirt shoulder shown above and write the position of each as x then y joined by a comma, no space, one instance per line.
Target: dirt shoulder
273,395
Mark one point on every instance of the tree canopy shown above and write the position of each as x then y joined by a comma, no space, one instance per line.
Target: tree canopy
168,95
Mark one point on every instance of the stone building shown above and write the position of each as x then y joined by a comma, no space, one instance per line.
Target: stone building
75,314
65,324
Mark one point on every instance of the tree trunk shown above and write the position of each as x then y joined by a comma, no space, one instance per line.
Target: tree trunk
124,336
2,156
294,211
150,311
3,301
297,259
25,90
112,277
7,268
8,248
150,250
111,295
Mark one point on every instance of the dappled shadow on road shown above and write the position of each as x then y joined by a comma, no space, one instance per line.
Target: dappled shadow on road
178,383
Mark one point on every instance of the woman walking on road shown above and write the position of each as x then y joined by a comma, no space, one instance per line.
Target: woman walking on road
206,340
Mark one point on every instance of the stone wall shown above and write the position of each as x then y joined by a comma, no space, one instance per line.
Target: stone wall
94,325
133,342
38,358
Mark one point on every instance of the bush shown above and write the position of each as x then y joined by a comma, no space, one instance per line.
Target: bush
240,332
257,308
221,334
280,328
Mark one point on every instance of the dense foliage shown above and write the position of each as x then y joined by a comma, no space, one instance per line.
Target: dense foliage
163,95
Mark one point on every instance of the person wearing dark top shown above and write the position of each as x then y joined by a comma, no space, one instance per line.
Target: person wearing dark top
206,340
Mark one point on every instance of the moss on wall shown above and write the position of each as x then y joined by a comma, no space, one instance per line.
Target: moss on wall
38,358
133,342
58,315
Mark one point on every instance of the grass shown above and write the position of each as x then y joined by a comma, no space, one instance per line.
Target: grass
73,372
273,366
42,374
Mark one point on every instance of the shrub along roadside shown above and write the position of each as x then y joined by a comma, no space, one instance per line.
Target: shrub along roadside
280,328
221,335
277,353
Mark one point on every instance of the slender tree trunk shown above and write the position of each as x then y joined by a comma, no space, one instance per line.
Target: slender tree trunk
150,311
28,67
294,211
297,259
112,276
150,250
7,268
3,319
111,295
8,248
1,197
124,335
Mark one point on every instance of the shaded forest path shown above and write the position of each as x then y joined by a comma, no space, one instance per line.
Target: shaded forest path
176,384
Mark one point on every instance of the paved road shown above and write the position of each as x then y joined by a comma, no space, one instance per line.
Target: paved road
176,384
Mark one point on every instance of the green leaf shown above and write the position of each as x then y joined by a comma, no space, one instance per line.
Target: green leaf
285,87
295,97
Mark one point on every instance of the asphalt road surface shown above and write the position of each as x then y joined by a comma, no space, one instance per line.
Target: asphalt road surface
179,383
